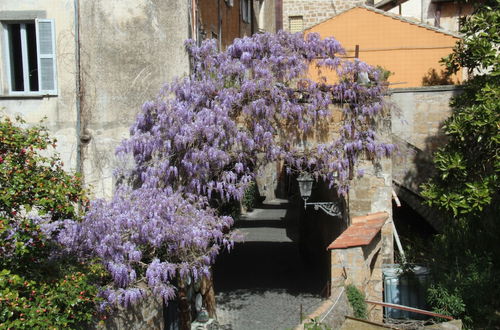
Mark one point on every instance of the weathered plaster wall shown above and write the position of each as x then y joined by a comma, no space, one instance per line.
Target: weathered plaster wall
314,12
129,48
60,110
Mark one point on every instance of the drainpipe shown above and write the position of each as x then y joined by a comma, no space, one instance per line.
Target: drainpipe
422,11
79,167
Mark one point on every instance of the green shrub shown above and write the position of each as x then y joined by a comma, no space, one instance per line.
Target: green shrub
314,324
357,300
250,198
40,287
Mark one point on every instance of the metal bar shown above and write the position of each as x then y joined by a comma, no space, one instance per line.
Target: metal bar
382,325
409,309
396,199
398,243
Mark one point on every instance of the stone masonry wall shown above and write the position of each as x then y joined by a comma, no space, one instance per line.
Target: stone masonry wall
314,12
361,267
417,120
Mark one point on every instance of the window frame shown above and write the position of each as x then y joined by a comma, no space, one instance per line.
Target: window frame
7,43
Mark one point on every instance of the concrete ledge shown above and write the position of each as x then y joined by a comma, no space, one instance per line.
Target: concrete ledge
440,88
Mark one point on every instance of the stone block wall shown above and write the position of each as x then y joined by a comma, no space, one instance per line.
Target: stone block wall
146,315
373,193
314,12
361,267
418,116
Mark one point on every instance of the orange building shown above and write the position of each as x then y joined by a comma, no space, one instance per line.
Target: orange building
410,50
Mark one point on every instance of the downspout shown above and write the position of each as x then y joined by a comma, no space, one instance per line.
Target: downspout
79,167
422,11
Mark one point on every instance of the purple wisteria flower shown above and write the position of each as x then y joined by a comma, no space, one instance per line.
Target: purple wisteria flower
203,139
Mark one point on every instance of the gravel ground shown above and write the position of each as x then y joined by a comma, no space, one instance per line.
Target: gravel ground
267,309
263,282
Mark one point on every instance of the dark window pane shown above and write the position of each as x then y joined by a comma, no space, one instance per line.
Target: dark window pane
32,57
16,58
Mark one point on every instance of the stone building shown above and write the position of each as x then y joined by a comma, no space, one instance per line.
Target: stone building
298,15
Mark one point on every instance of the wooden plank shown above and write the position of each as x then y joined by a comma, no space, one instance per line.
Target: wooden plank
409,309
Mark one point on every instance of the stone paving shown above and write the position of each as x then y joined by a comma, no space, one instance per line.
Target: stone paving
263,283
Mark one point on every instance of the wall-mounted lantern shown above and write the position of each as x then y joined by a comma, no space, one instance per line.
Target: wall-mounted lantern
306,181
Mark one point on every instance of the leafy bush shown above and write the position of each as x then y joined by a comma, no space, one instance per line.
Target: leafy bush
250,197
314,324
465,262
357,300
40,287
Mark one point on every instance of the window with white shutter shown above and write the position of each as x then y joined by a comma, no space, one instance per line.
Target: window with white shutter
30,57
46,50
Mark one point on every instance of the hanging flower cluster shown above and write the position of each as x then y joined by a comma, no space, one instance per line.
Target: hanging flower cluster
205,136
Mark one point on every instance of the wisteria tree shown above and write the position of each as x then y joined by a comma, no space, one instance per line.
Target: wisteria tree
202,140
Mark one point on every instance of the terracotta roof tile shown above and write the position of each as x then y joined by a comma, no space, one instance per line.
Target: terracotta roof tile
361,232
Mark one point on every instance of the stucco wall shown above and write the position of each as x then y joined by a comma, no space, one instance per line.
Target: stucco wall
129,48
60,110
407,50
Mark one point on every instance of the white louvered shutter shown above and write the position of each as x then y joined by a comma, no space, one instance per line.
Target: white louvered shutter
46,50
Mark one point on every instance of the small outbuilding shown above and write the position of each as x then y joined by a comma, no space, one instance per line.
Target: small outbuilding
409,49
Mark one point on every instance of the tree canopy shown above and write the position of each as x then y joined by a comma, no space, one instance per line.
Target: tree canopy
465,261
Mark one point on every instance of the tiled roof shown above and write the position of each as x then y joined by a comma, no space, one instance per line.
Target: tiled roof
361,232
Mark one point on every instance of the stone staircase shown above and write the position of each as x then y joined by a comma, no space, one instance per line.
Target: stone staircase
263,283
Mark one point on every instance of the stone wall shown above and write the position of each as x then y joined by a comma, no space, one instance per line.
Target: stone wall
418,116
357,261
314,12
148,314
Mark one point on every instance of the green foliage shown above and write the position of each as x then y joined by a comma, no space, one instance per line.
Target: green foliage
384,72
67,301
464,260
39,288
30,179
314,324
357,300
250,198
444,302
477,49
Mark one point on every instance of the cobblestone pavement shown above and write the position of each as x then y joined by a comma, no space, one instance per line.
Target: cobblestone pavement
262,283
